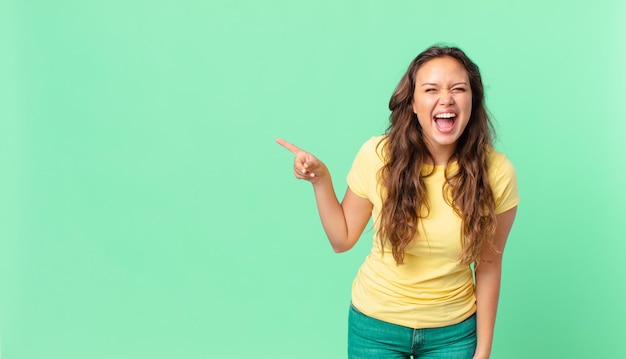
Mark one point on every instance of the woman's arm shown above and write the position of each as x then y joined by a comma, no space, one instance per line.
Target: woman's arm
488,274
343,222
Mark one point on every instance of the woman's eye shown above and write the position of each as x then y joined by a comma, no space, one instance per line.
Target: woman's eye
431,90
459,89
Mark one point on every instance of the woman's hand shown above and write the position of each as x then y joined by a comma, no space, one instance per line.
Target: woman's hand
305,166
343,222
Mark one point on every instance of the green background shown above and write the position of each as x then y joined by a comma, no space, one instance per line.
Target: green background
146,212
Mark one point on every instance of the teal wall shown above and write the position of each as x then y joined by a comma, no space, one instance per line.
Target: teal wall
146,212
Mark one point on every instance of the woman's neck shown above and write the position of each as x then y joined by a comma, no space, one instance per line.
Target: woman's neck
441,154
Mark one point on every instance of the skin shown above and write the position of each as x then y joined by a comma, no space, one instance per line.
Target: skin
343,222
442,86
488,275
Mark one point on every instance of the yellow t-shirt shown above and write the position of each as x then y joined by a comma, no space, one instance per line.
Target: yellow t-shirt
430,289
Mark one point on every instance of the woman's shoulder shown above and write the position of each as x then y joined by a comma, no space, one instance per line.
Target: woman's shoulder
374,146
503,181
498,164
376,141
496,158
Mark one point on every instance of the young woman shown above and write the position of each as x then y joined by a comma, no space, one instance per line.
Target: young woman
442,198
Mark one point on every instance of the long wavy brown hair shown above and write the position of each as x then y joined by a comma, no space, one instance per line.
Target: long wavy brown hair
406,152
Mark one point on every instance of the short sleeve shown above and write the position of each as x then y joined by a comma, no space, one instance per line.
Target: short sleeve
362,176
504,183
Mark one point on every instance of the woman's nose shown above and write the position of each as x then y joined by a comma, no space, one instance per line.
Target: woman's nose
446,98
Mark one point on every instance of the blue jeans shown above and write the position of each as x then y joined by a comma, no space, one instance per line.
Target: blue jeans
370,338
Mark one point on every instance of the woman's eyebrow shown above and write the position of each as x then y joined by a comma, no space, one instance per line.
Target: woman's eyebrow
434,84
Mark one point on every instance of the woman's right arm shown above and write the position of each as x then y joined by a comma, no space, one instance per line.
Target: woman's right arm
343,222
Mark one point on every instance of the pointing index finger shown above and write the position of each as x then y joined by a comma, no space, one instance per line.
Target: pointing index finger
291,147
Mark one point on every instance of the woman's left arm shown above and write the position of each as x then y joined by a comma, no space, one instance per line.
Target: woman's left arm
488,274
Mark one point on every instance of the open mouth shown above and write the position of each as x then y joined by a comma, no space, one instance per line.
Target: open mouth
445,121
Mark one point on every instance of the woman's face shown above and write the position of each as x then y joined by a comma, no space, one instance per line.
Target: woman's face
442,102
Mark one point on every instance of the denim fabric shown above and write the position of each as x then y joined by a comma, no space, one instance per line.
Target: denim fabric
370,338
